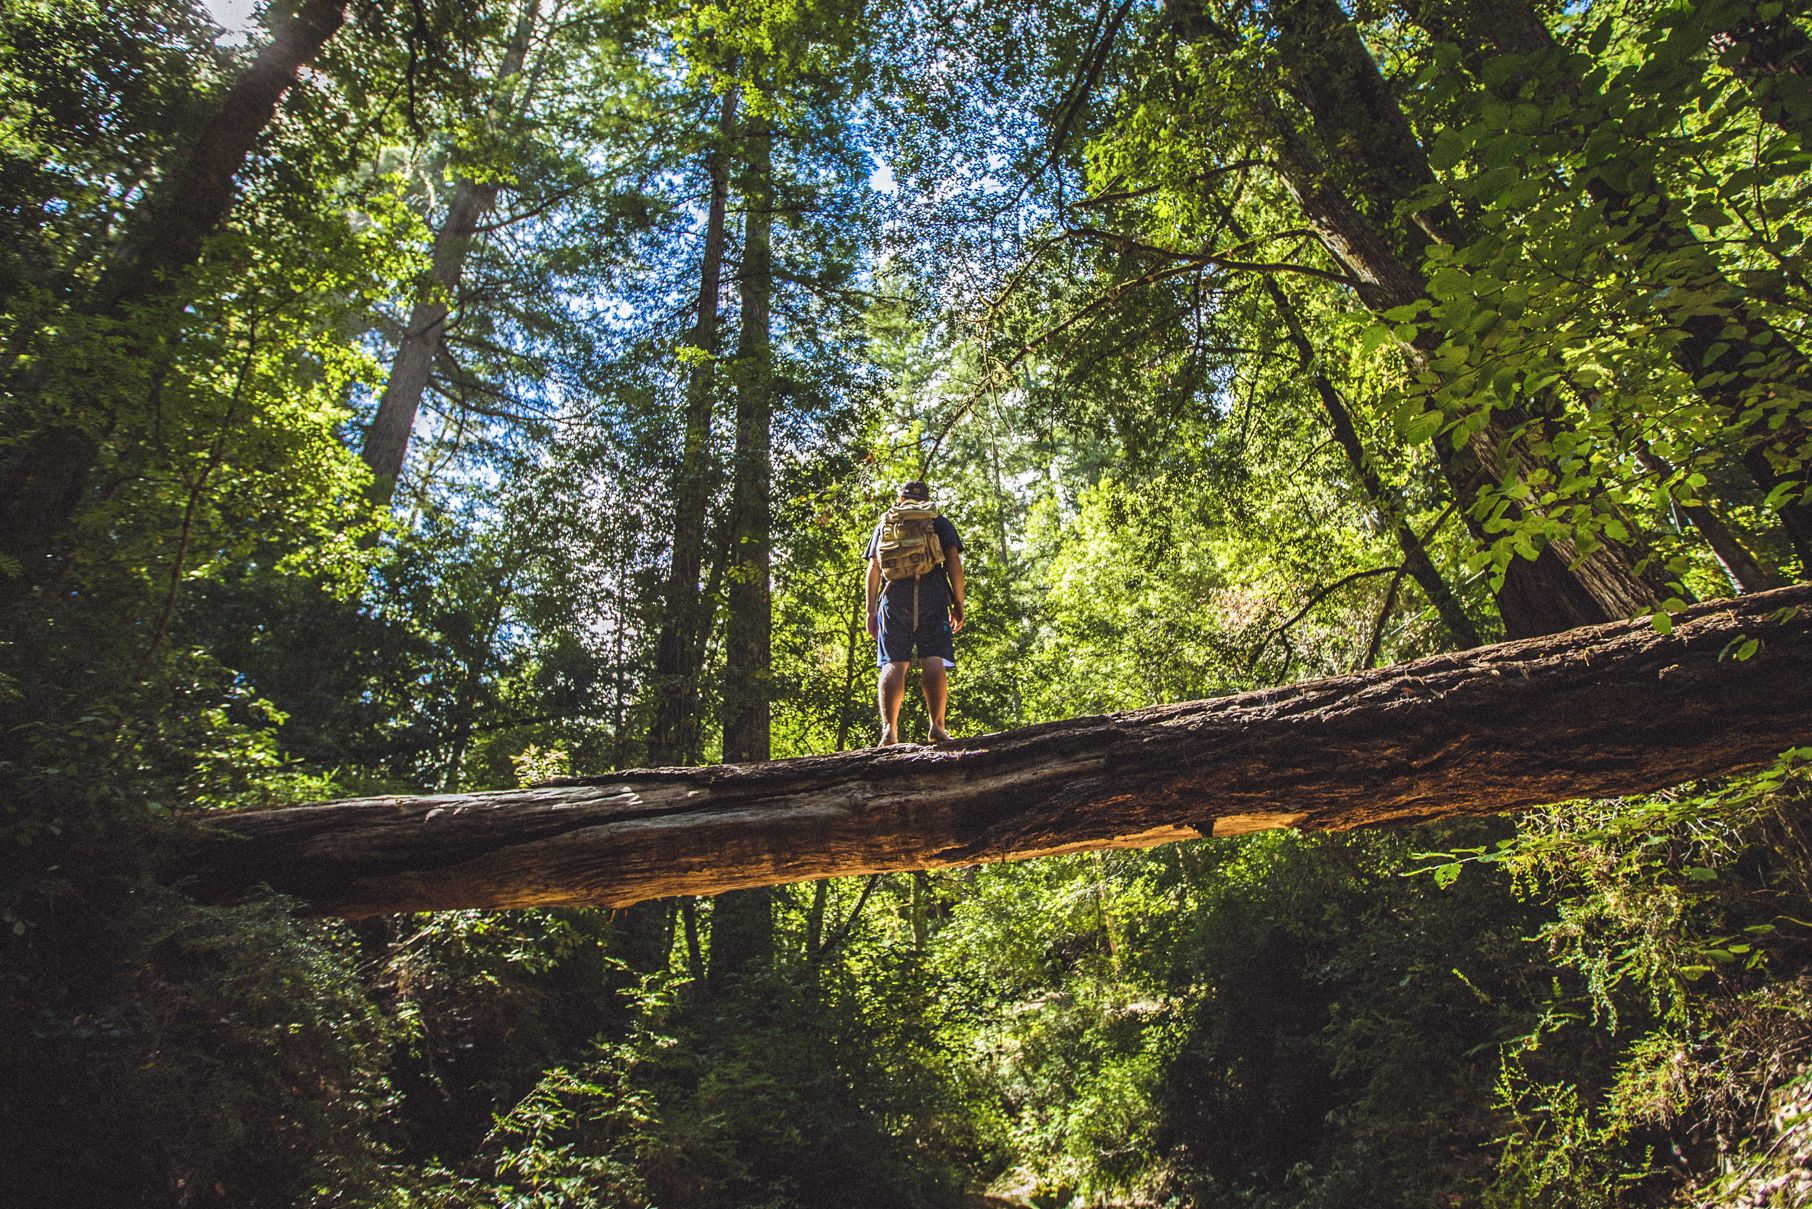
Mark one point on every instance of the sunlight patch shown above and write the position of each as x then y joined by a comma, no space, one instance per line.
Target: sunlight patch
1246,824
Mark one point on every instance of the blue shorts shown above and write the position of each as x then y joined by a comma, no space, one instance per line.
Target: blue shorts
895,638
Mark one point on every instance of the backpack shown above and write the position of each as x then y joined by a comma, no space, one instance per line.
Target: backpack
909,546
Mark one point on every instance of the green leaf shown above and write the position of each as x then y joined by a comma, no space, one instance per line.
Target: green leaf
1779,496
1490,186
1711,217
1524,192
1450,282
1418,426
1449,149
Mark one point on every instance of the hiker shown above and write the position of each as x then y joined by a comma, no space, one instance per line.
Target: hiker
916,556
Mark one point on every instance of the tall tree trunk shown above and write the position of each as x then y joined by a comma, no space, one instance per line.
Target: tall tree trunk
1719,353
387,441
619,740
187,206
1358,120
44,485
673,729
1355,118
847,704
742,927
814,918
695,953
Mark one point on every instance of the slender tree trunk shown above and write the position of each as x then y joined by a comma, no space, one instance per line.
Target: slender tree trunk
847,705
387,441
1719,354
814,919
619,746
1746,572
1415,555
749,606
44,484
695,953
742,928
918,883
673,730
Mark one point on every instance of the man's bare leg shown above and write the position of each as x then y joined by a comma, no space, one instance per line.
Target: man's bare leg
888,696
935,681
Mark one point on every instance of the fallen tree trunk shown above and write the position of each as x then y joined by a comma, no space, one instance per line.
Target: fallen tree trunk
1594,712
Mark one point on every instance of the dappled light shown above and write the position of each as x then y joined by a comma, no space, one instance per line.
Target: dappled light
713,603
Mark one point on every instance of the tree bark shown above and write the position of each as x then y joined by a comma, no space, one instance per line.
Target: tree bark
387,440
1355,119
1612,709
673,729
1718,352
45,484
188,205
742,925
1359,124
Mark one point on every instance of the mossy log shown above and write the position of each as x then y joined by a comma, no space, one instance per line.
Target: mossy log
1594,712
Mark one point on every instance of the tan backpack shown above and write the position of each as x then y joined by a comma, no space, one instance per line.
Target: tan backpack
909,546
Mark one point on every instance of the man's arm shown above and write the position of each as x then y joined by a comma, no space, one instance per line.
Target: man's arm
874,596
953,563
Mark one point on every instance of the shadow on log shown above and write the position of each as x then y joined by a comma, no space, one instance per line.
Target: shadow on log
1594,712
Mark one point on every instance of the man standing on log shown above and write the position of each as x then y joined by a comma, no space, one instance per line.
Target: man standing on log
915,599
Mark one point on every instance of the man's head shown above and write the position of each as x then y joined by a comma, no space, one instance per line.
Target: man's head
915,489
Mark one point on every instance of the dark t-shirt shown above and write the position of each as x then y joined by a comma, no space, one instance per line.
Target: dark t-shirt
934,589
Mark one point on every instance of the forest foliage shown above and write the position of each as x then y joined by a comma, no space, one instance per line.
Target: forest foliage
433,396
